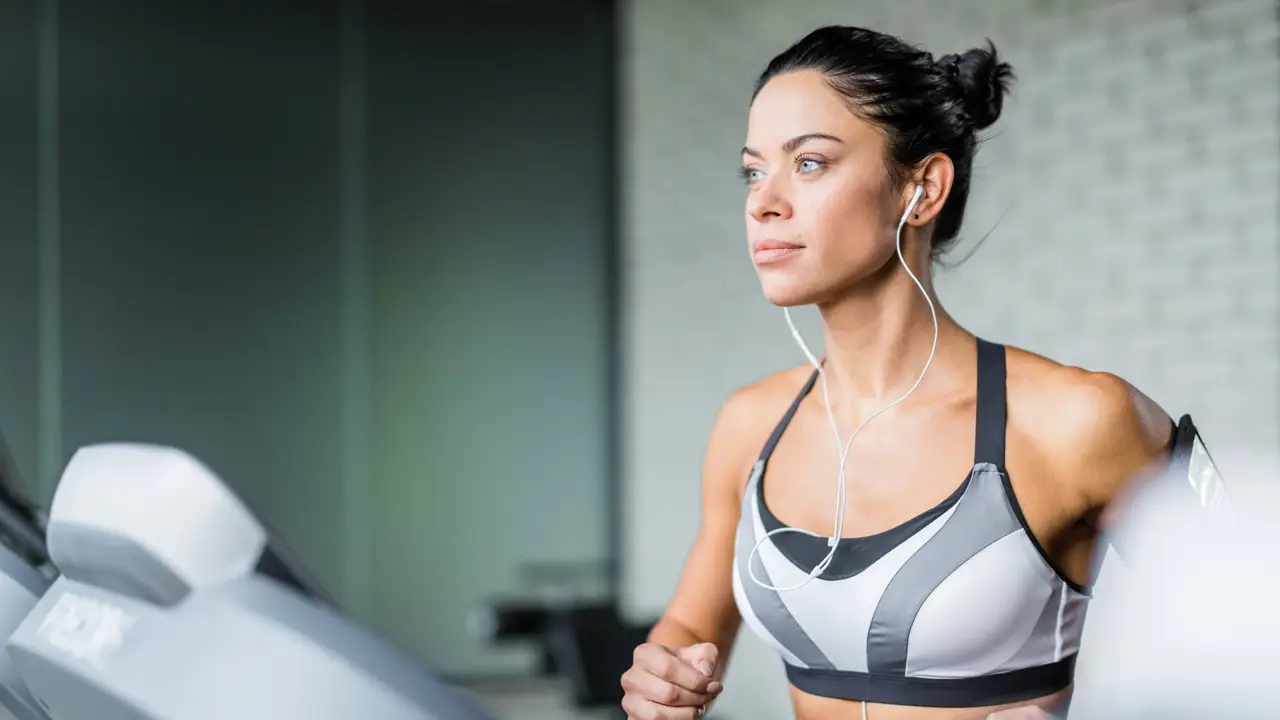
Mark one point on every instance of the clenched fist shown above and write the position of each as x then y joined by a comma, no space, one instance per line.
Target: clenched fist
670,683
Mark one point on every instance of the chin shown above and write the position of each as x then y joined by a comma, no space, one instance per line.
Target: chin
797,285
790,291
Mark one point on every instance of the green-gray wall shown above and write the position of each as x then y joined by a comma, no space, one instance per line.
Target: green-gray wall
488,155
368,289
19,262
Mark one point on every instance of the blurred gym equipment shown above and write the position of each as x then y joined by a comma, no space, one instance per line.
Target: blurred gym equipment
167,610
25,576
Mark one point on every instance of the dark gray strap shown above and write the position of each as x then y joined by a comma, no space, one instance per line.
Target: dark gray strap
989,444
781,427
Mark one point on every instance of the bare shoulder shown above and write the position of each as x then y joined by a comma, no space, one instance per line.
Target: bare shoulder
1094,429
745,420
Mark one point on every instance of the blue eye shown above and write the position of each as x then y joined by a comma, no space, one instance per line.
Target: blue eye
809,165
750,174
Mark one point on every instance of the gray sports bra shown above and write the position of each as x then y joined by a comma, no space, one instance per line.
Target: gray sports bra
956,607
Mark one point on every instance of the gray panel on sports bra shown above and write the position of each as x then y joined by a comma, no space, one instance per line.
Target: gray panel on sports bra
982,517
1040,644
766,603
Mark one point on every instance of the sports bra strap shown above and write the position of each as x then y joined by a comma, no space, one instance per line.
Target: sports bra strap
786,419
989,443
990,433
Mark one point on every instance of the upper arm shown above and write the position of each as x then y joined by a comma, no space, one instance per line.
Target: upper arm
1112,437
703,602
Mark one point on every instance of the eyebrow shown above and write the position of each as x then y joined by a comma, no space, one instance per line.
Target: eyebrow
790,146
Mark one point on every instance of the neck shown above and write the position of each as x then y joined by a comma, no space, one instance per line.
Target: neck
879,338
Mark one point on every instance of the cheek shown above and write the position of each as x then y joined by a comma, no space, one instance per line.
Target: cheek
846,220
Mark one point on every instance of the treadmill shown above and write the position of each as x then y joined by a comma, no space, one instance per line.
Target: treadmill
176,603
25,576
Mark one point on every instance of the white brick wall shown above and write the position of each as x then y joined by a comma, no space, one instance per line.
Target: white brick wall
1132,185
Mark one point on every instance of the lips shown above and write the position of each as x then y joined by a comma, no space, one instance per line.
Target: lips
771,251
774,245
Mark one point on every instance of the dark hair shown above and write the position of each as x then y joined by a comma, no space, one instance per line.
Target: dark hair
924,106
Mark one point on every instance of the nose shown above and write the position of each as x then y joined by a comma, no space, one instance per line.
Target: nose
768,201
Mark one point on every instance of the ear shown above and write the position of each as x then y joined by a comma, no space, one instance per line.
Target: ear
935,175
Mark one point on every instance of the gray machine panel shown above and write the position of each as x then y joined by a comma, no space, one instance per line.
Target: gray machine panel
21,584
249,649
21,587
92,556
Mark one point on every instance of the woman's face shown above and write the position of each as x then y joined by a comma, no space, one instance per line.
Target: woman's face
821,211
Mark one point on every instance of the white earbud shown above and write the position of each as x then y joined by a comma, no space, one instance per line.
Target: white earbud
843,448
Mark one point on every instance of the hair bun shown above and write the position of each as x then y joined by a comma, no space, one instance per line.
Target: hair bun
983,81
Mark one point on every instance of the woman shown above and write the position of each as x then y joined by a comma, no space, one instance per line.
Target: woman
976,490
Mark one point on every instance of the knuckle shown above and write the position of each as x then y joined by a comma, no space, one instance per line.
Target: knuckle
707,651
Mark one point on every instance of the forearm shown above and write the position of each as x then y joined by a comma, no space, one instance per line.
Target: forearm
674,633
